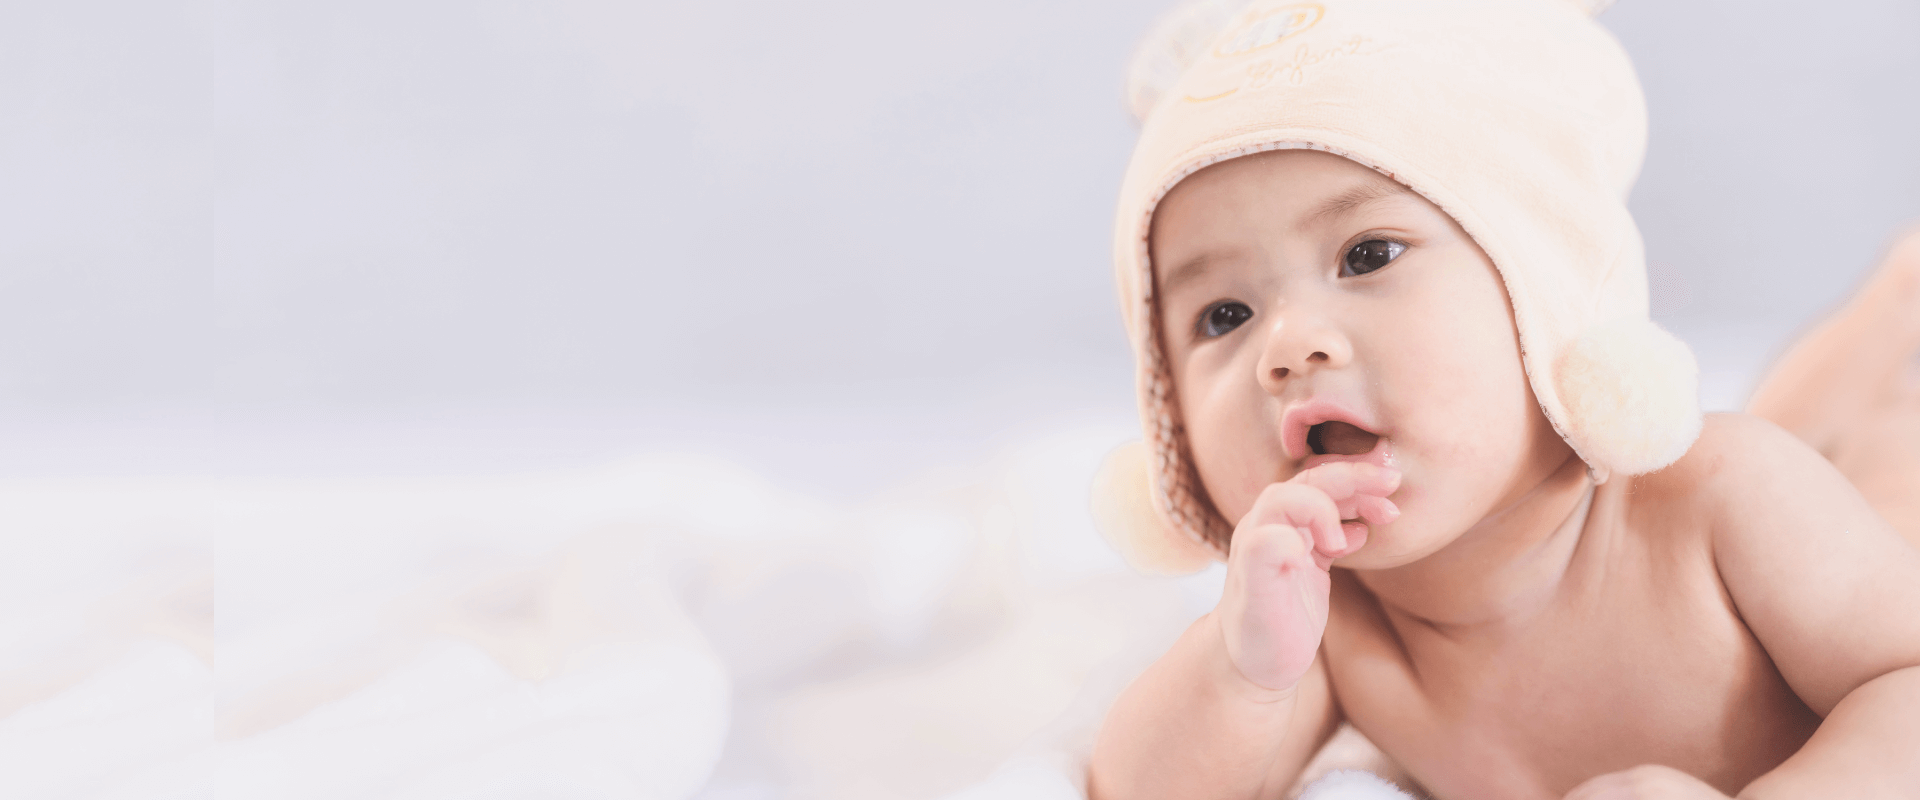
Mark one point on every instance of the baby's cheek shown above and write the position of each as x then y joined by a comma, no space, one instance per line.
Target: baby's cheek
1465,398
1231,495
1234,460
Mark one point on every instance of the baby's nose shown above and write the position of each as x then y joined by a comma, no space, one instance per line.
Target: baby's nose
1315,357
1301,345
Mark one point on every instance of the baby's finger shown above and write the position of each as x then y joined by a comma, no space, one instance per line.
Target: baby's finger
1373,510
1343,479
1301,507
1266,549
1356,538
1259,546
1349,508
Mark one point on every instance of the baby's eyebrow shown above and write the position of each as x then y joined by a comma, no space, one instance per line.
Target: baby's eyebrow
1348,201
1184,272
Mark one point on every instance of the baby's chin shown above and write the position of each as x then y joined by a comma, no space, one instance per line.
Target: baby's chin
1401,542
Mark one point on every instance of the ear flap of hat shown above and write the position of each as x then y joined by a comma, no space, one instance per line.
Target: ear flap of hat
1123,510
1630,394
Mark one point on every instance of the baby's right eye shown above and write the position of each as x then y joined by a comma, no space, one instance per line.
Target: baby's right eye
1222,317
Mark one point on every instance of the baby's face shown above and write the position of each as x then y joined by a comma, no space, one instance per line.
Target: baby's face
1314,310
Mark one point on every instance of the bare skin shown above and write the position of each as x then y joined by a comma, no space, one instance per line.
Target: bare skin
1850,388
1494,622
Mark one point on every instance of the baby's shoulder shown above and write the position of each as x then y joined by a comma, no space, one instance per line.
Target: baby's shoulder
1803,558
1732,445
1740,465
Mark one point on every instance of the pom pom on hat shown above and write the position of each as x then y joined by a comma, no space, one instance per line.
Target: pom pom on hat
1630,396
1123,511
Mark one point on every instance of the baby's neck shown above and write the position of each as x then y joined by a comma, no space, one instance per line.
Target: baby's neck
1500,571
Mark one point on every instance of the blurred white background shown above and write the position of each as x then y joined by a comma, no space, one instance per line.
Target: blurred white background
381,302
562,230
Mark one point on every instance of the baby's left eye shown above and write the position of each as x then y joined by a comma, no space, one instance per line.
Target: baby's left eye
1370,255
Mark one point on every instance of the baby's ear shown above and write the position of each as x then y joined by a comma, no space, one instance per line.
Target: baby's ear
1123,511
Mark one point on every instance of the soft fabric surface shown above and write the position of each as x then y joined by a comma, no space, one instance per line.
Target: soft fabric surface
671,627
1353,785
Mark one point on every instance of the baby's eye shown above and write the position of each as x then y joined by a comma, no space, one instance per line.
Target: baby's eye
1370,255
1222,317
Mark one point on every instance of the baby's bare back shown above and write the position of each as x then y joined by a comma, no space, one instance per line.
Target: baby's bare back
1639,658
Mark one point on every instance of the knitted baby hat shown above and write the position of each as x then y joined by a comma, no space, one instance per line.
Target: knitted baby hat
1522,119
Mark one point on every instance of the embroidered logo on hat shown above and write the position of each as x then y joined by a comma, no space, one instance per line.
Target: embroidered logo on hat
1268,27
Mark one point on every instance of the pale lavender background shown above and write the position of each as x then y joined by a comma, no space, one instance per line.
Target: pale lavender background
840,241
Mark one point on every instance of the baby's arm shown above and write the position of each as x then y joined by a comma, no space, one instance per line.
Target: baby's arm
1241,702
1191,726
1833,594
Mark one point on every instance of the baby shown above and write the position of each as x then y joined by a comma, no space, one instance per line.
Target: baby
1396,370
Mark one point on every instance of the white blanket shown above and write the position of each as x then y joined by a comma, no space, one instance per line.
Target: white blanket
671,627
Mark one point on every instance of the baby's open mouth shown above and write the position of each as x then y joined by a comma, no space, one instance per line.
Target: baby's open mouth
1340,438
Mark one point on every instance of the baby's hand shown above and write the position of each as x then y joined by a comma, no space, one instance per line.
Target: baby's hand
1274,607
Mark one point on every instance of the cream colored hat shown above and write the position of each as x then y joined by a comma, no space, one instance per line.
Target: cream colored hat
1520,118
